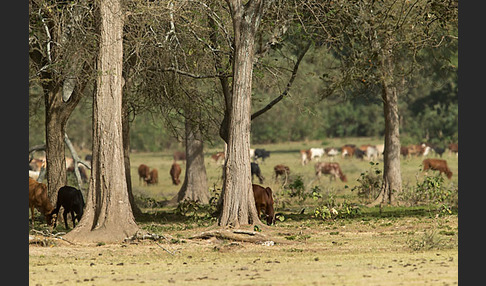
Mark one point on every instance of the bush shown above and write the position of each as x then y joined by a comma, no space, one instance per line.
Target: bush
370,185
432,191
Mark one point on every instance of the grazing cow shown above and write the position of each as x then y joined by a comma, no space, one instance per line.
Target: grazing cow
372,153
331,152
255,170
305,156
316,153
252,153
39,200
454,148
261,153
72,201
179,156
218,157
143,173
416,149
264,202
358,153
348,150
438,150
175,172
332,169
437,165
404,151
82,172
281,170
381,149
153,178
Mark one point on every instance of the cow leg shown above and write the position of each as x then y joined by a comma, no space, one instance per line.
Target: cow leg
64,215
32,214
260,177
73,217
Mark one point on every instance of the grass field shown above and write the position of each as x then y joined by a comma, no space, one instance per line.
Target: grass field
390,246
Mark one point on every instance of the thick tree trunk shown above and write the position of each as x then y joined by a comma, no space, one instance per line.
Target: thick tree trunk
195,185
238,204
108,215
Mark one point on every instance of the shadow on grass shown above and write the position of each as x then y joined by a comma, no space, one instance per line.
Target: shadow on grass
375,212
167,215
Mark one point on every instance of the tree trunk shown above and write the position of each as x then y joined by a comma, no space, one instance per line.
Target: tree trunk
126,156
195,185
57,115
108,215
392,179
55,155
238,204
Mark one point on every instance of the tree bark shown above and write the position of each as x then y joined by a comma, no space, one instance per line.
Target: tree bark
238,204
57,115
195,185
392,179
126,157
108,215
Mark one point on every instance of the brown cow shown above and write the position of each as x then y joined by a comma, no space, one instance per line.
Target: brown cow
348,150
330,168
37,164
437,165
454,148
175,172
404,151
143,173
179,156
39,200
305,156
217,157
281,170
153,178
264,202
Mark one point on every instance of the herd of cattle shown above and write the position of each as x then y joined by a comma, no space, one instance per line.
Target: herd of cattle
72,201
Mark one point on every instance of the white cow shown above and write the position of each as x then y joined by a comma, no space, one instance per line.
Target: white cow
316,153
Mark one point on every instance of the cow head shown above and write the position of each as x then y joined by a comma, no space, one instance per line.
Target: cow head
51,217
269,211
448,173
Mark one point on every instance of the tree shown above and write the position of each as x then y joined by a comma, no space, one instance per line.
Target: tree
378,43
108,215
238,204
60,61
195,185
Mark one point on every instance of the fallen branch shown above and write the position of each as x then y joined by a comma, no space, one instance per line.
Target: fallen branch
236,235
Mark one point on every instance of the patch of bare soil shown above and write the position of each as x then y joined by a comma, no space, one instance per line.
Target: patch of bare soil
375,252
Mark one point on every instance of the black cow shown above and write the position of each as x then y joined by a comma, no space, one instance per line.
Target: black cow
261,153
72,201
438,150
358,153
255,170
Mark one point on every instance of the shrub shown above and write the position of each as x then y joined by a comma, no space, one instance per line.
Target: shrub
432,190
370,185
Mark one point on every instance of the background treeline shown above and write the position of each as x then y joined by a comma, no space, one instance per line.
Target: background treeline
428,111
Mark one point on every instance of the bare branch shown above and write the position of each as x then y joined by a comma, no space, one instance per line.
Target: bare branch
287,88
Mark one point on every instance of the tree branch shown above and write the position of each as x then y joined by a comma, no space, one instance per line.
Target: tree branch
287,88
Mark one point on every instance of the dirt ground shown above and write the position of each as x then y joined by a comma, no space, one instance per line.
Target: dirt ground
378,251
